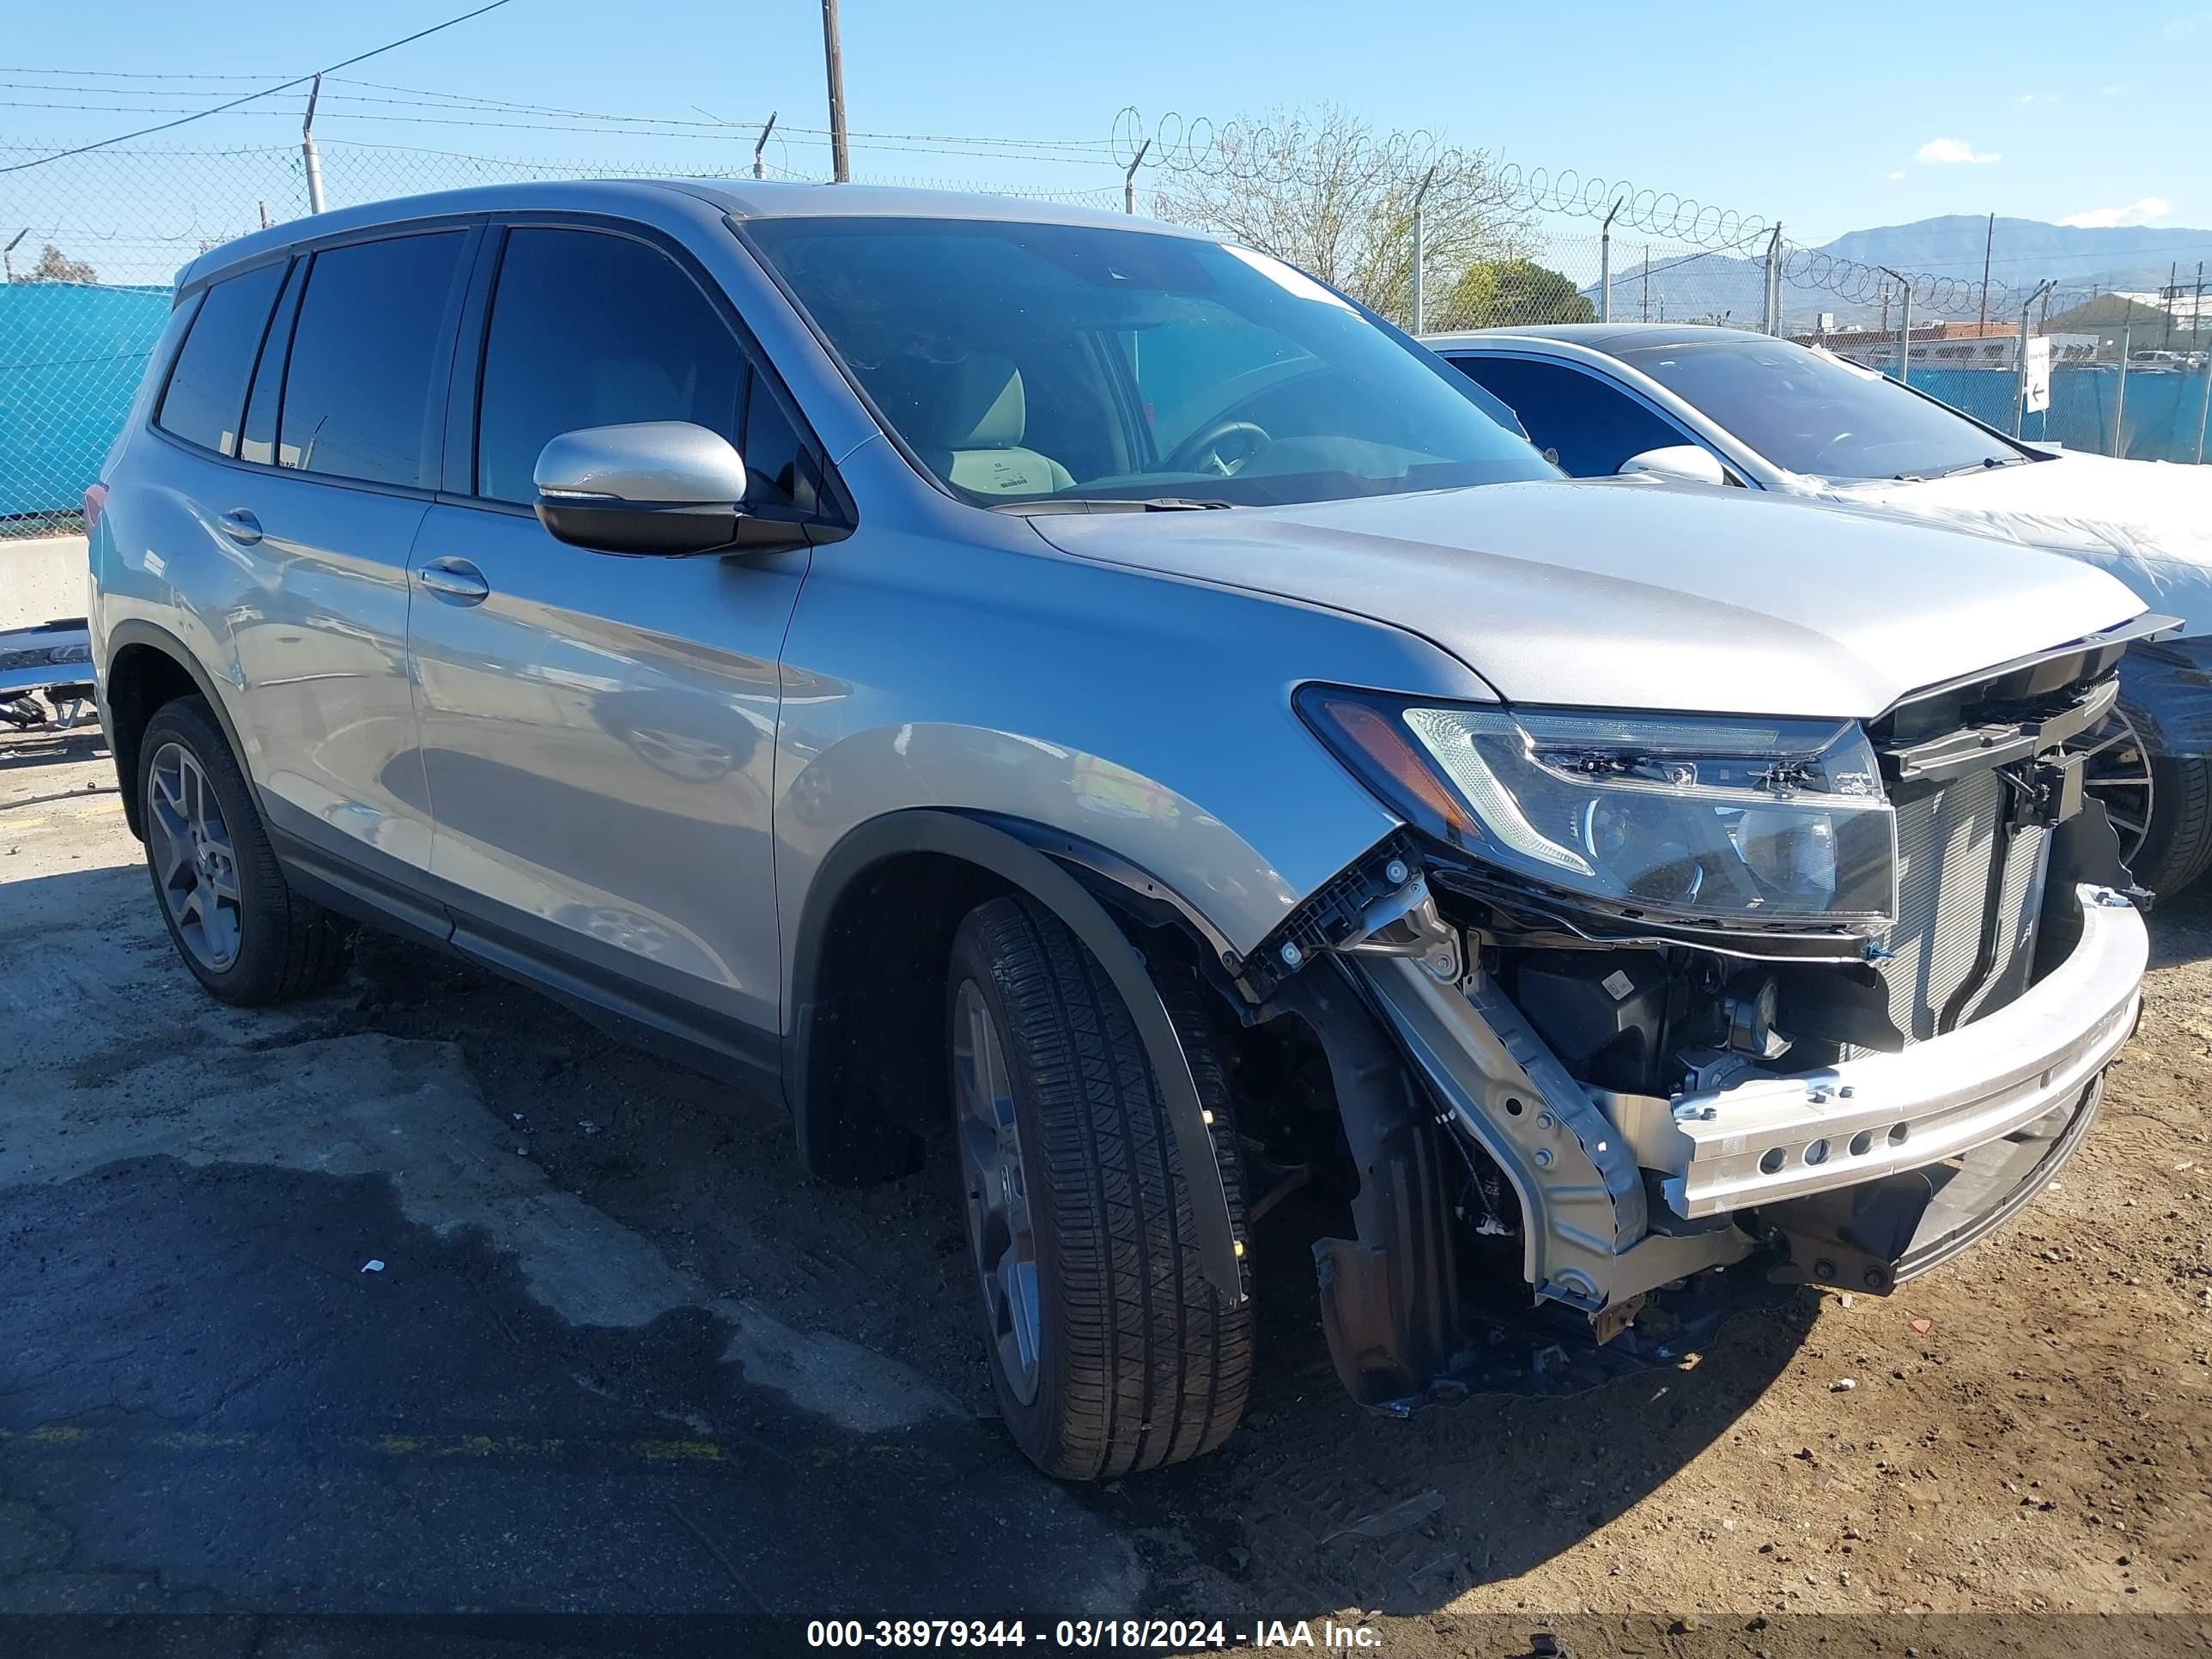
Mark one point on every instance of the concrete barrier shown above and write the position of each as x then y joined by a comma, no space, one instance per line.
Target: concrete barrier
41,580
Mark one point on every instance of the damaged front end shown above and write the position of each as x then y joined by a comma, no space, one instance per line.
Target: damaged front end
1642,997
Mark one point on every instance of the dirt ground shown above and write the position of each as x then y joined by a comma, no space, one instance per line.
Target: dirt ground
2025,1432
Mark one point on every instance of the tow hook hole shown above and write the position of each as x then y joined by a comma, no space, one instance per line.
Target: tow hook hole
1816,1151
1771,1162
1897,1132
1514,1107
1862,1143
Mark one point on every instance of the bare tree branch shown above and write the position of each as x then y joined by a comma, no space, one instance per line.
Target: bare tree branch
1324,192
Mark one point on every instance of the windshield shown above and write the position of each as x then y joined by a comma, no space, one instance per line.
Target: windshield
1029,363
1808,412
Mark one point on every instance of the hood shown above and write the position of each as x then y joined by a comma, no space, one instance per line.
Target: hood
2148,522
1626,594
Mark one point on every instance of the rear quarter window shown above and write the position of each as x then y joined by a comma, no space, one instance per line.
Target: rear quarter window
206,393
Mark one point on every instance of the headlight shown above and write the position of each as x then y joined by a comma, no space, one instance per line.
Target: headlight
1699,817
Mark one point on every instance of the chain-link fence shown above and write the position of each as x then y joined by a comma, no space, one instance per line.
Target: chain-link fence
93,241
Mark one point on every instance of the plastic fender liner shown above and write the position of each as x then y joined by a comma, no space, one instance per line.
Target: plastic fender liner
1390,1301
979,841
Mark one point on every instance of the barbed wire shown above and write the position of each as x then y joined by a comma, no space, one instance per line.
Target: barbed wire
1177,144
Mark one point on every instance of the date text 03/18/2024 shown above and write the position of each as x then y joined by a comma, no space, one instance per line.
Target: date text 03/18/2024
1141,1634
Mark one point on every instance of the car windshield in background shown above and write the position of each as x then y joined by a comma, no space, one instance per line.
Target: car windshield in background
1026,363
1809,412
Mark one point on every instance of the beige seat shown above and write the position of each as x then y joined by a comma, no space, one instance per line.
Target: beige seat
968,419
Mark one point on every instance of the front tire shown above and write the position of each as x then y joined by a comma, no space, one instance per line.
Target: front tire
245,935
1110,1351
2159,806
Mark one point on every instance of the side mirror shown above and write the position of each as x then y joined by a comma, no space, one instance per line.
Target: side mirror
650,486
1685,461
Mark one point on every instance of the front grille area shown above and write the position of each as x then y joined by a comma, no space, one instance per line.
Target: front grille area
1946,840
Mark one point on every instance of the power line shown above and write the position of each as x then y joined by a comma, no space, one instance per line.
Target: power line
132,75
358,58
1082,149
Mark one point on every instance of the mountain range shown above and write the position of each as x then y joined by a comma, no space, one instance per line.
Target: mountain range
2023,253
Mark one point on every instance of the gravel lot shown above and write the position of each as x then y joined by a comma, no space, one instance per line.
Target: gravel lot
2026,1430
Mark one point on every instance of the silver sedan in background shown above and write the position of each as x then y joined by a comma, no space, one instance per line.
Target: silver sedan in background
1731,407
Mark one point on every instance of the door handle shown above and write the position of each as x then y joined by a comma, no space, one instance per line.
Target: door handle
455,580
240,526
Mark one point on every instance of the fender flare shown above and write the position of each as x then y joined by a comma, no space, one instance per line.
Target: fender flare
992,846
133,630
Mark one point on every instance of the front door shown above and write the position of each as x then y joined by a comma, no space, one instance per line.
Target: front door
598,732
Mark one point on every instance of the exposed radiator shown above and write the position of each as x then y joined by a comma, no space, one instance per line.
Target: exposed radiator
1945,841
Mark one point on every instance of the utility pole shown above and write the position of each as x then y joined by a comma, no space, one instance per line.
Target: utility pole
309,156
841,163
2173,297
1989,242
1904,333
760,166
1605,266
1647,281
1129,179
8,254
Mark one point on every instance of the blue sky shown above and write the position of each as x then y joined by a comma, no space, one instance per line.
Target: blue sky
1829,121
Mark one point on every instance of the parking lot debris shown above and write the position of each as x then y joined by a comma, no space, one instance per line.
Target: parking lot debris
1921,1326
1843,1385
373,1265
1385,1522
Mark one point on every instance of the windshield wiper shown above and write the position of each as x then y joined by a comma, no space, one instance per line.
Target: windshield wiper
1988,463
1108,504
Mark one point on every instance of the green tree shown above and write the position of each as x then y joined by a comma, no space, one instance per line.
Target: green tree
55,266
1508,293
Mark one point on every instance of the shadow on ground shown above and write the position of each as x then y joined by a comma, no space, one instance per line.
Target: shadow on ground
213,1405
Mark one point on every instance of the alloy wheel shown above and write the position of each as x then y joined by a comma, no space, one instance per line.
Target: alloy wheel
2116,773
190,846
996,1185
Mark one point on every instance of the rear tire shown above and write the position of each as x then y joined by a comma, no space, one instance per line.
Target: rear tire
1130,1360
245,935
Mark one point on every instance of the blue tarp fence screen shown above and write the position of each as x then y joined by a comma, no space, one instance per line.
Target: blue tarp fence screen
2164,406
70,358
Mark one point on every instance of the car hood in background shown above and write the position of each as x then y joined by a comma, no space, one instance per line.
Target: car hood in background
1627,594
2148,522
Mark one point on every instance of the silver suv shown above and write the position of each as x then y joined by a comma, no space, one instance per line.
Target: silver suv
1090,689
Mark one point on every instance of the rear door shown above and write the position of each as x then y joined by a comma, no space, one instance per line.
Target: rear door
598,731
336,467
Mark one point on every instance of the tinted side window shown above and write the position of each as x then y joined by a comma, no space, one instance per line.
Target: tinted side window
260,443
358,398
207,393
1587,427
592,329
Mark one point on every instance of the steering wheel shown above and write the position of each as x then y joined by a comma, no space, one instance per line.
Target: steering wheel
1194,453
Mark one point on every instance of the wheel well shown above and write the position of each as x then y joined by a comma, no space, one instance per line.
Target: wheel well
139,681
872,1023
